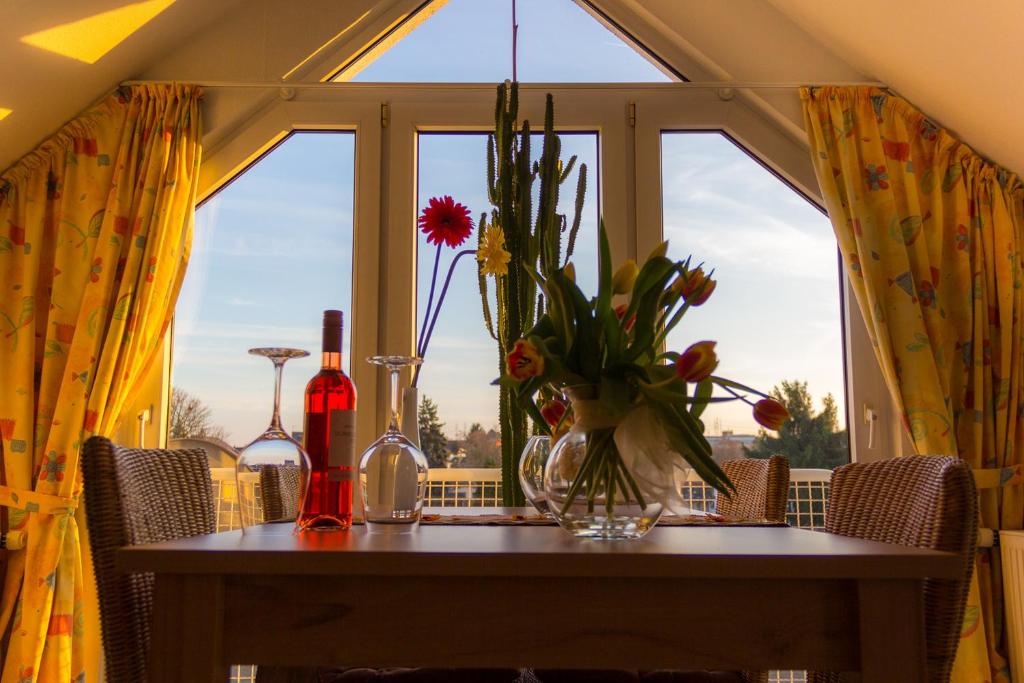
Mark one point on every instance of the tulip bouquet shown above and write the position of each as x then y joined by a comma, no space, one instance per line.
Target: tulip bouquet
639,406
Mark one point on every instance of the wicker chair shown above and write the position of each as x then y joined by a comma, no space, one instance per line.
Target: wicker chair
762,489
921,501
134,497
279,486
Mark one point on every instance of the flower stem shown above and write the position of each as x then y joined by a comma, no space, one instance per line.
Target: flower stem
739,396
430,301
428,331
632,484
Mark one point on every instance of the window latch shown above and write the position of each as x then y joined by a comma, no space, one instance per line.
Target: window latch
384,114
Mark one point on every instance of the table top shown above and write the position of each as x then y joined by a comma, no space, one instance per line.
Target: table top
540,551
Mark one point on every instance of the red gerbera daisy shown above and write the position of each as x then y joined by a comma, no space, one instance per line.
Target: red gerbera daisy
446,220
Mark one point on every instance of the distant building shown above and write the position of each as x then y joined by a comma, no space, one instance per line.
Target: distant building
729,446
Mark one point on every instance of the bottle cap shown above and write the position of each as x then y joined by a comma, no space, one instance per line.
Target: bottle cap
332,331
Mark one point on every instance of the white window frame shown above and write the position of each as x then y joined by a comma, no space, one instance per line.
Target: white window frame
713,110
629,120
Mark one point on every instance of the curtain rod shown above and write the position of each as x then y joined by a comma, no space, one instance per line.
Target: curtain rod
698,85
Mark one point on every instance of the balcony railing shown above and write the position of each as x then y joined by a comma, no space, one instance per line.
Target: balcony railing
466,487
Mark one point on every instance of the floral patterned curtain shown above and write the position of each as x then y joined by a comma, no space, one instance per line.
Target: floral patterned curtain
95,229
932,237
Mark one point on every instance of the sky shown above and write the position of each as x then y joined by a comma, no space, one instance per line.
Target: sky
272,250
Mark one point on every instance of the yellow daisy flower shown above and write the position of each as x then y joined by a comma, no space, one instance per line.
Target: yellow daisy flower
492,252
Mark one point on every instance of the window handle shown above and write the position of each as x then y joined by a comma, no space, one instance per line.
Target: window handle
870,418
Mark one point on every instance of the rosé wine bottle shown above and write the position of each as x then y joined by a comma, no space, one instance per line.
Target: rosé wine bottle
329,437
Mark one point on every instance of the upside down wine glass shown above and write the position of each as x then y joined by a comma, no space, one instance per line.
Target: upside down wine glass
393,471
272,472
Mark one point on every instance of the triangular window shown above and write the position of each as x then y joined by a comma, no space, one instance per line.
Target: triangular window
470,41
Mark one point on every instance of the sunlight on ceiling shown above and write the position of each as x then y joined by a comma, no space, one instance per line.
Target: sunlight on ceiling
4,113
88,39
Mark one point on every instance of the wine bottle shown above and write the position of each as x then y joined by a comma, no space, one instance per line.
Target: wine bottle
329,437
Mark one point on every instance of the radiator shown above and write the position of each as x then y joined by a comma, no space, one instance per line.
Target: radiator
1012,544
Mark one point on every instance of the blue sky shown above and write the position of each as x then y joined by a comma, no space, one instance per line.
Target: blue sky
273,249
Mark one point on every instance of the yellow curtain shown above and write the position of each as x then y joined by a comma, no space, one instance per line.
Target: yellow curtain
932,237
95,230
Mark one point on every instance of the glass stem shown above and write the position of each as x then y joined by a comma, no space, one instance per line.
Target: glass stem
275,419
395,403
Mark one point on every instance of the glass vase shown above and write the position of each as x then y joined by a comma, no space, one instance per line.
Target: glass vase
272,472
588,489
531,471
393,471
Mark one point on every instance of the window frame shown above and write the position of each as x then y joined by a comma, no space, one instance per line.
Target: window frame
772,146
629,119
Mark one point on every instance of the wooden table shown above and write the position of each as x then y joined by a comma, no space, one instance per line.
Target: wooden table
510,596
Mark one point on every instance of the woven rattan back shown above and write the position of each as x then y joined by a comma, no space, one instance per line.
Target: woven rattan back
762,489
279,487
921,501
134,497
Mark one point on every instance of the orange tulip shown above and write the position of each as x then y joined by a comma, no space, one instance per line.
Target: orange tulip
697,362
524,361
696,286
770,414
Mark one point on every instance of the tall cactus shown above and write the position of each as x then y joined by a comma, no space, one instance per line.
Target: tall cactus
530,239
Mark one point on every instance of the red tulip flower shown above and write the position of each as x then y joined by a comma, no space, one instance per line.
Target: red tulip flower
620,312
697,362
553,411
770,414
445,220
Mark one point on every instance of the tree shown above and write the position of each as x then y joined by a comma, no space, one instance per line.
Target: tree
433,442
191,418
808,440
483,447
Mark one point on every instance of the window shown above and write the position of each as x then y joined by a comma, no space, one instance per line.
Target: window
462,358
705,191
272,250
775,312
470,41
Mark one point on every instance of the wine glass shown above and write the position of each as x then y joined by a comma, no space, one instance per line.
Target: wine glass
531,471
393,471
272,472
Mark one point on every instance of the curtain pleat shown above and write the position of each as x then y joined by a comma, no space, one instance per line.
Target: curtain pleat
95,228
932,238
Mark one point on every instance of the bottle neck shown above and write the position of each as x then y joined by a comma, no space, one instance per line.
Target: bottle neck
331,346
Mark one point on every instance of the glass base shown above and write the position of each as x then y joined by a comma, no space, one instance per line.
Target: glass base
393,527
324,523
604,528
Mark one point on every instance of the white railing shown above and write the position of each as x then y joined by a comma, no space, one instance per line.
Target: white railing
463,487
479,487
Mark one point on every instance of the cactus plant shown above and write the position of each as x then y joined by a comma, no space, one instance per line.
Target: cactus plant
533,239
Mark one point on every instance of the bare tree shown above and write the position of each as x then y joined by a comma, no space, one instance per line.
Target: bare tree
190,417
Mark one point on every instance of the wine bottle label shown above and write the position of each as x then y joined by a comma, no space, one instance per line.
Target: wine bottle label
342,449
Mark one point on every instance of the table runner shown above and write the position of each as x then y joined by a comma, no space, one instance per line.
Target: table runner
535,519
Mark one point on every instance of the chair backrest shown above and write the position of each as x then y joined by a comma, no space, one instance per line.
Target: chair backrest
762,489
279,490
923,501
135,496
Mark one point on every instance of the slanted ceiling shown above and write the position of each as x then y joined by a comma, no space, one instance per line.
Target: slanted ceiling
959,62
